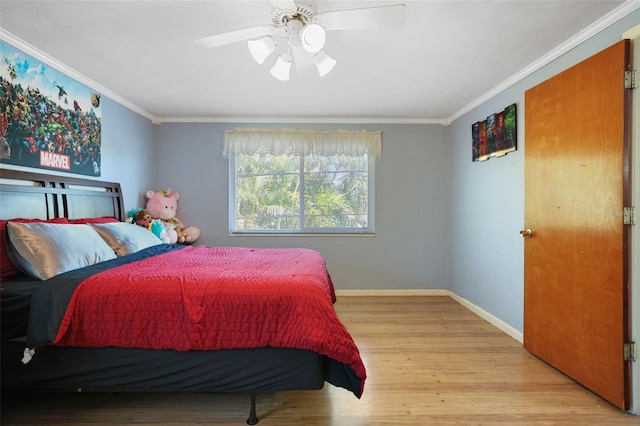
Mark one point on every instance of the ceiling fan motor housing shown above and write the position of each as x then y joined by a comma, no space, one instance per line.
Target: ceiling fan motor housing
303,13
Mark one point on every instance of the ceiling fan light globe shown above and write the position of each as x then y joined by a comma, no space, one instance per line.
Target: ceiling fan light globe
324,63
261,49
281,69
312,38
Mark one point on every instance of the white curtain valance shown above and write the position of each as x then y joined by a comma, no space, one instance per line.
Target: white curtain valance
297,142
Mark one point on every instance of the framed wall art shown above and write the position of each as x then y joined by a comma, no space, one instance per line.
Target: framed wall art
48,120
496,136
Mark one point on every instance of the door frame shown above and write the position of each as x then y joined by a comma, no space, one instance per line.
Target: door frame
634,35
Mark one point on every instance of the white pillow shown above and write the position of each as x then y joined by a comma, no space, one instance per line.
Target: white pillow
44,250
125,238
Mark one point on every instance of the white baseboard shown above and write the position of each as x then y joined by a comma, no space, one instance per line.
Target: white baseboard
493,320
407,292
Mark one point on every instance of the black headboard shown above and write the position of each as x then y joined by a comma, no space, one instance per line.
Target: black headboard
42,196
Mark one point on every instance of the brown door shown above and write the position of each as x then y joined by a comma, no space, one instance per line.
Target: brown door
576,314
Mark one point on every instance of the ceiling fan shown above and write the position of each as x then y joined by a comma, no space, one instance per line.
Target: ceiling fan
298,31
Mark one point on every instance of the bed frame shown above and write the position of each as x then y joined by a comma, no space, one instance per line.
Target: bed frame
36,195
42,196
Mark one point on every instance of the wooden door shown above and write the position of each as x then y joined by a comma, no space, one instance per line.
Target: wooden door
577,140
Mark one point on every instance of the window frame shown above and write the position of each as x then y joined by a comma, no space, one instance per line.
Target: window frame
304,231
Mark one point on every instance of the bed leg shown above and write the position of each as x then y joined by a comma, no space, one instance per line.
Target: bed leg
253,418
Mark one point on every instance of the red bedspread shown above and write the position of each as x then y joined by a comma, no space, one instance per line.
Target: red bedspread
203,298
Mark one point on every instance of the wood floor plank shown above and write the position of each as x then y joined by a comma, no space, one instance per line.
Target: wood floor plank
429,360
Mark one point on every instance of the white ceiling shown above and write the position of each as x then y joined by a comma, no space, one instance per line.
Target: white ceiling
450,56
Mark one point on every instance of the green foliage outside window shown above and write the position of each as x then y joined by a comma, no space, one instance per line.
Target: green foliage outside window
334,191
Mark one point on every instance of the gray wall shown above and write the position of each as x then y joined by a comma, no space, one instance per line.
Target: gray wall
410,249
127,140
487,199
127,144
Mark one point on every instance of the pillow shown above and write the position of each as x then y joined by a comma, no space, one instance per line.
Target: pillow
104,219
44,250
126,238
7,268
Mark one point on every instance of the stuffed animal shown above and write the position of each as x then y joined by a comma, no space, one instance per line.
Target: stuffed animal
159,230
163,205
142,217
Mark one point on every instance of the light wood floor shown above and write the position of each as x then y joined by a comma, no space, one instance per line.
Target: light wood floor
429,361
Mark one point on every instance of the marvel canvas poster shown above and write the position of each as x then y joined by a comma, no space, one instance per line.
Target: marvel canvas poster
479,141
48,120
495,136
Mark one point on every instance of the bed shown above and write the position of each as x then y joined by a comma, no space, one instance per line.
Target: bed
140,315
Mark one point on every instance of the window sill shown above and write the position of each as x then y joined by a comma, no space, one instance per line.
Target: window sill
300,234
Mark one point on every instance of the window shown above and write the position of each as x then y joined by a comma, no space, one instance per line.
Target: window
293,181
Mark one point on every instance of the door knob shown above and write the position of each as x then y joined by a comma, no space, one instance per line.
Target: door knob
526,233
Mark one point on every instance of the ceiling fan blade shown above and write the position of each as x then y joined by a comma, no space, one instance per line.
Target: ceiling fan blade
370,18
284,4
234,36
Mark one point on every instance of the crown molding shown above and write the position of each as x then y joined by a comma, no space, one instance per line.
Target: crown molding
319,120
